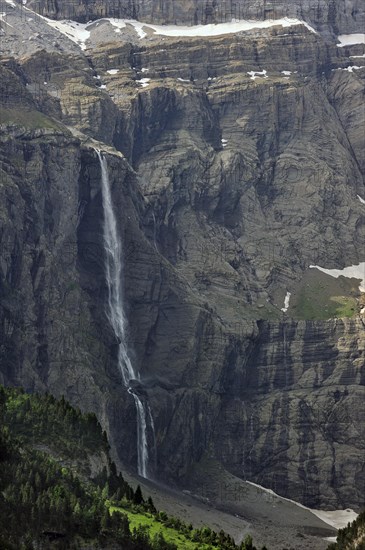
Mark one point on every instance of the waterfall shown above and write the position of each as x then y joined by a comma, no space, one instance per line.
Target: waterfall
117,319
141,437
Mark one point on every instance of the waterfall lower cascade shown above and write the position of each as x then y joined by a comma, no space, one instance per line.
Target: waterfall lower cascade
117,319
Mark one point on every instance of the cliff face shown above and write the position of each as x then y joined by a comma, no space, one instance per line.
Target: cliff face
228,182
335,16
293,415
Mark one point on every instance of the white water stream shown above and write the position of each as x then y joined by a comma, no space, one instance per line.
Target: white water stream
116,315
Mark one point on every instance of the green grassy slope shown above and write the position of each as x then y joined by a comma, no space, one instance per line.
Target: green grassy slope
320,296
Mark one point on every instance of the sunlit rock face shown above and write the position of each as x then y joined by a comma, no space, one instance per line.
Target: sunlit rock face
235,163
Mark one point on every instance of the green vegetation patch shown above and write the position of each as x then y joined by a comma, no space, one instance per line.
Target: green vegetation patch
159,525
29,119
176,533
320,296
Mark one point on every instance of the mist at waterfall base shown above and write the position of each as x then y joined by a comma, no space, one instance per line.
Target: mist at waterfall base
116,315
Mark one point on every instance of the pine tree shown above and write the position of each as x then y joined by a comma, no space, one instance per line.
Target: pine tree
106,520
105,491
138,497
150,505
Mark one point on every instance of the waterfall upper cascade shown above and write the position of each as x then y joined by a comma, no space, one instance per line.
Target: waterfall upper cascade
116,316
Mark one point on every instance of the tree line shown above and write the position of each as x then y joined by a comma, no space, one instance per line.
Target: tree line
48,502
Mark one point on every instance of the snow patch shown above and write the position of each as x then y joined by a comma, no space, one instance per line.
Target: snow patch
286,302
224,142
103,87
204,30
120,24
350,39
138,28
352,271
113,71
360,199
77,32
349,69
144,70
183,80
255,74
357,56
336,518
144,82
286,73
225,28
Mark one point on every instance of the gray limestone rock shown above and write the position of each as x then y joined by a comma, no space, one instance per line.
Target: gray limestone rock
334,16
227,185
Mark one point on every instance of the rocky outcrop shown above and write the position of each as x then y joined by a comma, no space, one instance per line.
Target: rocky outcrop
228,183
